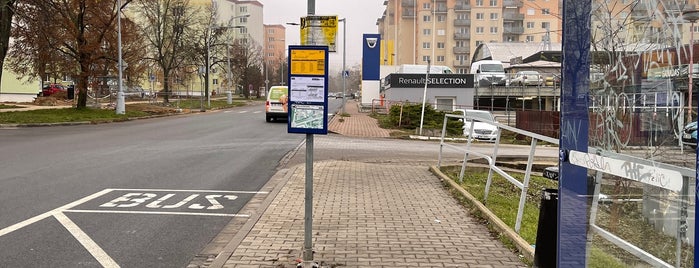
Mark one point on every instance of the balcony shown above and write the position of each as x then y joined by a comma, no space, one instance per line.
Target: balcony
462,23
460,63
461,50
512,3
441,9
462,36
408,3
511,16
408,13
462,7
513,30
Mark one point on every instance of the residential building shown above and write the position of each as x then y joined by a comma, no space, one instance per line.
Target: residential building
274,53
446,32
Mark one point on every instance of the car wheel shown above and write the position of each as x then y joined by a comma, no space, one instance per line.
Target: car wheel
269,119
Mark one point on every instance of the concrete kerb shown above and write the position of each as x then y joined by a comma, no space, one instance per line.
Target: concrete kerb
523,246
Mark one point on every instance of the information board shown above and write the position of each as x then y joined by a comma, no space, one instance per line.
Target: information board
308,94
319,31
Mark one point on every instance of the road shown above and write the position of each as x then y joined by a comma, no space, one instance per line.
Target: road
144,193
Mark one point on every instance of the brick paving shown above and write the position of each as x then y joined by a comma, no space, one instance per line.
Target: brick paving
391,214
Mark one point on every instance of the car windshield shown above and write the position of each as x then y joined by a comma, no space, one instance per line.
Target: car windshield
492,68
480,115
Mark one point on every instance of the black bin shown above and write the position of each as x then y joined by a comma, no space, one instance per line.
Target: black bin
547,232
71,92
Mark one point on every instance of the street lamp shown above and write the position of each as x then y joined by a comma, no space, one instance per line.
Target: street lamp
344,56
121,106
692,16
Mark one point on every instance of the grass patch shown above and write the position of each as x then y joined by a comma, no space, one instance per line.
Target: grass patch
503,200
65,115
5,106
197,104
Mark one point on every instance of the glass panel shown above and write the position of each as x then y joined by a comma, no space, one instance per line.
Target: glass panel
641,148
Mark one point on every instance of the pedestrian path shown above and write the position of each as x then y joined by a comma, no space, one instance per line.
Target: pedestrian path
371,215
356,124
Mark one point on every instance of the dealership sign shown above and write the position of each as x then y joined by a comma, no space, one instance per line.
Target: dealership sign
433,80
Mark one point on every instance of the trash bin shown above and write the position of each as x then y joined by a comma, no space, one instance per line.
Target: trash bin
71,92
547,232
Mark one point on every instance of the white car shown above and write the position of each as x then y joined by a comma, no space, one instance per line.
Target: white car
482,130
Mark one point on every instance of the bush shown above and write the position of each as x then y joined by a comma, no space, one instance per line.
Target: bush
410,119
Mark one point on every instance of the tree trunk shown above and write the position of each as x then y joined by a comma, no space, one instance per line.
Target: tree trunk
6,14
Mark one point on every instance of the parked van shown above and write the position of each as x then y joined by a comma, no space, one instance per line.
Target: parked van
421,69
488,72
276,106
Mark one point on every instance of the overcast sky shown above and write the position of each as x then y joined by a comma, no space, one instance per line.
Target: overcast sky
361,18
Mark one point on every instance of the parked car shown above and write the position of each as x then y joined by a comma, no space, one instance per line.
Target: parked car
481,129
51,89
689,134
526,78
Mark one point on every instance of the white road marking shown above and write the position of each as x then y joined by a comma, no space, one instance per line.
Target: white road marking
156,212
42,216
242,112
194,191
100,255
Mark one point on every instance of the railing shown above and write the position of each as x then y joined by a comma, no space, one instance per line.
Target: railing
675,181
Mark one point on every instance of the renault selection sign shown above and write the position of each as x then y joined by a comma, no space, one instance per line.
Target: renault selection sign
308,94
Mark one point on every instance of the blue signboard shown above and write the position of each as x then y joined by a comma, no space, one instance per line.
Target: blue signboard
308,89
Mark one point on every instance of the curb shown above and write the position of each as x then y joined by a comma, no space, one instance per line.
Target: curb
523,246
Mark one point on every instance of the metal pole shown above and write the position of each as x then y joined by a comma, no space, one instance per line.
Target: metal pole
691,71
121,106
344,58
424,97
228,59
308,217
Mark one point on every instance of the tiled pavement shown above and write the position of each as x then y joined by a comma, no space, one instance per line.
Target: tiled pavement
366,215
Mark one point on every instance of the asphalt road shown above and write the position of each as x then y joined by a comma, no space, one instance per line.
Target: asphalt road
144,193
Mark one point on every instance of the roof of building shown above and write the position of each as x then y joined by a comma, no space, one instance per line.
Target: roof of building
505,52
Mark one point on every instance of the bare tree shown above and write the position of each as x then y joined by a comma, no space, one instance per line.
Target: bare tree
166,26
6,15
73,42
247,59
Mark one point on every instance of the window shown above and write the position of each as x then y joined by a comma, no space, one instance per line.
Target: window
493,3
479,3
461,16
427,32
441,18
478,43
545,25
530,38
270,39
460,44
531,12
545,11
215,81
493,16
441,32
243,30
426,18
426,58
479,30
480,16
270,47
493,30
530,25
425,44
444,104
243,20
243,9
440,58
440,45
270,31
426,6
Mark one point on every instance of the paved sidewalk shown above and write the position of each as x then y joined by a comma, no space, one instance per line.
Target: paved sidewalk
393,214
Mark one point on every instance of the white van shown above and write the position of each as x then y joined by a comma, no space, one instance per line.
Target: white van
488,72
421,69
276,106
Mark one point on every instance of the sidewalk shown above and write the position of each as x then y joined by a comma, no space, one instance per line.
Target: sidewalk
365,215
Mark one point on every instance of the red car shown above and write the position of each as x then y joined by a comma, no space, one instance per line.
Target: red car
51,89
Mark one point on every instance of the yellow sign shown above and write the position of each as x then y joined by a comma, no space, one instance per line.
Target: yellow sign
319,31
307,62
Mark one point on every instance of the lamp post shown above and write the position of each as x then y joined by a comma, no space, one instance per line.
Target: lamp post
121,106
692,16
344,57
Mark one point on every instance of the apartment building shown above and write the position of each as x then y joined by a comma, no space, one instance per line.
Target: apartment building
446,32
274,53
